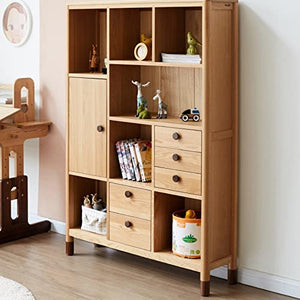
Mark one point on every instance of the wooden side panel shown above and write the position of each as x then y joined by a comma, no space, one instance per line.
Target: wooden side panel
87,109
220,199
102,44
220,70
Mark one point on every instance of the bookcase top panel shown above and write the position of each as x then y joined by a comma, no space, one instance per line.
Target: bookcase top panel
140,3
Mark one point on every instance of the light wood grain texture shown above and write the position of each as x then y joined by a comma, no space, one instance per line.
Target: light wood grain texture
27,114
173,122
187,161
188,182
187,139
165,256
87,110
164,206
124,38
86,27
154,64
136,204
208,149
137,235
78,188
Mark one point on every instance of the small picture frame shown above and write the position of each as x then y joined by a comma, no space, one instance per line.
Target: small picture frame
16,22
141,51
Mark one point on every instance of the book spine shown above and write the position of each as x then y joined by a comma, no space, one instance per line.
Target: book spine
147,158
126,166
129,160
121,162
140,162
134,161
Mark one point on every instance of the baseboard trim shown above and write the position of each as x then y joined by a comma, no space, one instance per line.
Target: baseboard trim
261,280
265,281
56,226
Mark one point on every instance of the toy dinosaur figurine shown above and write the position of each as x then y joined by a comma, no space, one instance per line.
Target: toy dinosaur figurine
193,43
140,98
143,113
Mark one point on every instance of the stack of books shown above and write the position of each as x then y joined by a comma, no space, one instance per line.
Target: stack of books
181,58
134,157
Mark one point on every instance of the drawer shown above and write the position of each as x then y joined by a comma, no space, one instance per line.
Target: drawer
179,181
184,139
130,201
130,231
178,159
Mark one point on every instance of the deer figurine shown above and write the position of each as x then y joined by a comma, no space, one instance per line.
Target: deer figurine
141,100
162,107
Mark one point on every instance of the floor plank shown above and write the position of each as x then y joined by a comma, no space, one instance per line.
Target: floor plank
40,264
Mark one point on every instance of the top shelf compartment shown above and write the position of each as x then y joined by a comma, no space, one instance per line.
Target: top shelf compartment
86,27
167,26
126,26
172,26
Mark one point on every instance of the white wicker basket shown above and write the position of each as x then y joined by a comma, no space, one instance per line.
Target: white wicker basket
93,220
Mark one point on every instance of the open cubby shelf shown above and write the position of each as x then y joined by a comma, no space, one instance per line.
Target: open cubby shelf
194,164
167,26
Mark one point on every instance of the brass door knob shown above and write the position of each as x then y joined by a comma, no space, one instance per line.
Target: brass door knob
128,224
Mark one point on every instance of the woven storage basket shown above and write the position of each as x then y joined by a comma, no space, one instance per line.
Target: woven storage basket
93,220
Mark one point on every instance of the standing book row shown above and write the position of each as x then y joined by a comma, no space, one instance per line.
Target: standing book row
134,156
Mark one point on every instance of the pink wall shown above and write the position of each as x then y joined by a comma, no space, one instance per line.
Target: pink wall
53,45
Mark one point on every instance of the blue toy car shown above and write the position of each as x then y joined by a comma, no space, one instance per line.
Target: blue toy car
190,114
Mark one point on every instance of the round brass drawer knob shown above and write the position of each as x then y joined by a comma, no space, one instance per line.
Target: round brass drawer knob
128,194
176,157
128,224
176,136
100,128
176,178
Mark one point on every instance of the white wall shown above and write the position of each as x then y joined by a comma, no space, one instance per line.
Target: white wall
269,220
18,62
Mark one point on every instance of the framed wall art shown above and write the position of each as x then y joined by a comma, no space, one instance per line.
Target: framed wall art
16,22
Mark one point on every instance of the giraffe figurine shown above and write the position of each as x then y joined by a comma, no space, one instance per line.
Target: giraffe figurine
162,106
141,100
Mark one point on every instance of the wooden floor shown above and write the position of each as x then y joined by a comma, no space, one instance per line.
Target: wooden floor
40,264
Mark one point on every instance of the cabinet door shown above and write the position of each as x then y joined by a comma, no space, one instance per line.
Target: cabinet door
87,111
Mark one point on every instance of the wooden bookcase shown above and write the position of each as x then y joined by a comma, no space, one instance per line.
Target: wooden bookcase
101,109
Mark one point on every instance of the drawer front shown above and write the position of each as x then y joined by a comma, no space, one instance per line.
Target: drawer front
130,201
130,231
178,181
178,159
184,139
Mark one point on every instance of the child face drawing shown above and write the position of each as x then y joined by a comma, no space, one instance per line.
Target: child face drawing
15,23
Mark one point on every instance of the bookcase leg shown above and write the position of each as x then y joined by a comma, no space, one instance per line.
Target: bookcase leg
70,248
232,276
205,288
